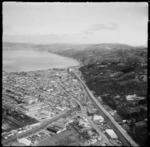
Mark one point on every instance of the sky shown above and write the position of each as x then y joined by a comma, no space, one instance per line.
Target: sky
77,23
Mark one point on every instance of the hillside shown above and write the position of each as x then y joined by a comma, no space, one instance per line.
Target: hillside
57,47
87,53
106,52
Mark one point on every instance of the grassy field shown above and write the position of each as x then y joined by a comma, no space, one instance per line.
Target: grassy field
67,138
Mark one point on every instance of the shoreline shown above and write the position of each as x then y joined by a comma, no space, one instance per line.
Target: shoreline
61,68
41,69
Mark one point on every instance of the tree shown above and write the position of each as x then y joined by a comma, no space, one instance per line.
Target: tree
132,125
85,135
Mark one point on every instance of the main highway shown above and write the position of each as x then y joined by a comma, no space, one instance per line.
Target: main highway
122,134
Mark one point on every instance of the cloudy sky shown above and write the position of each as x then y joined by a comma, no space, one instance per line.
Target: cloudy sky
76,22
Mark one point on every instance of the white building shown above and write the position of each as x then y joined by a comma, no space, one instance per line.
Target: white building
99,138
131,97
35,125
59,108
98,118
111,134
70,69
61,130
24,141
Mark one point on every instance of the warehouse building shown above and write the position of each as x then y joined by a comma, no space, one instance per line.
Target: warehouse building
53,129
98,118
111,134
24,141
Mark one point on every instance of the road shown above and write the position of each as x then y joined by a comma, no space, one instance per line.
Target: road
122,134
34,130
104,138
84,113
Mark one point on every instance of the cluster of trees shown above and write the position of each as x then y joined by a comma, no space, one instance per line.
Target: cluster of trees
113,85
122,85
139,134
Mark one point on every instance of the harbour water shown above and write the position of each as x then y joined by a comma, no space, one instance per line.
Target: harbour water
31,60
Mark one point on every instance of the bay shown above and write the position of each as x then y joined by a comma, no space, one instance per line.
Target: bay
31,60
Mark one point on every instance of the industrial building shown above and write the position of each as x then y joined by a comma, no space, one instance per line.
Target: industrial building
111,134
24,141
53,129
98,118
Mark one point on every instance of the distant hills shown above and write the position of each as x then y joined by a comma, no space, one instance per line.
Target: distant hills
86,53
65,46
56,47
105,52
